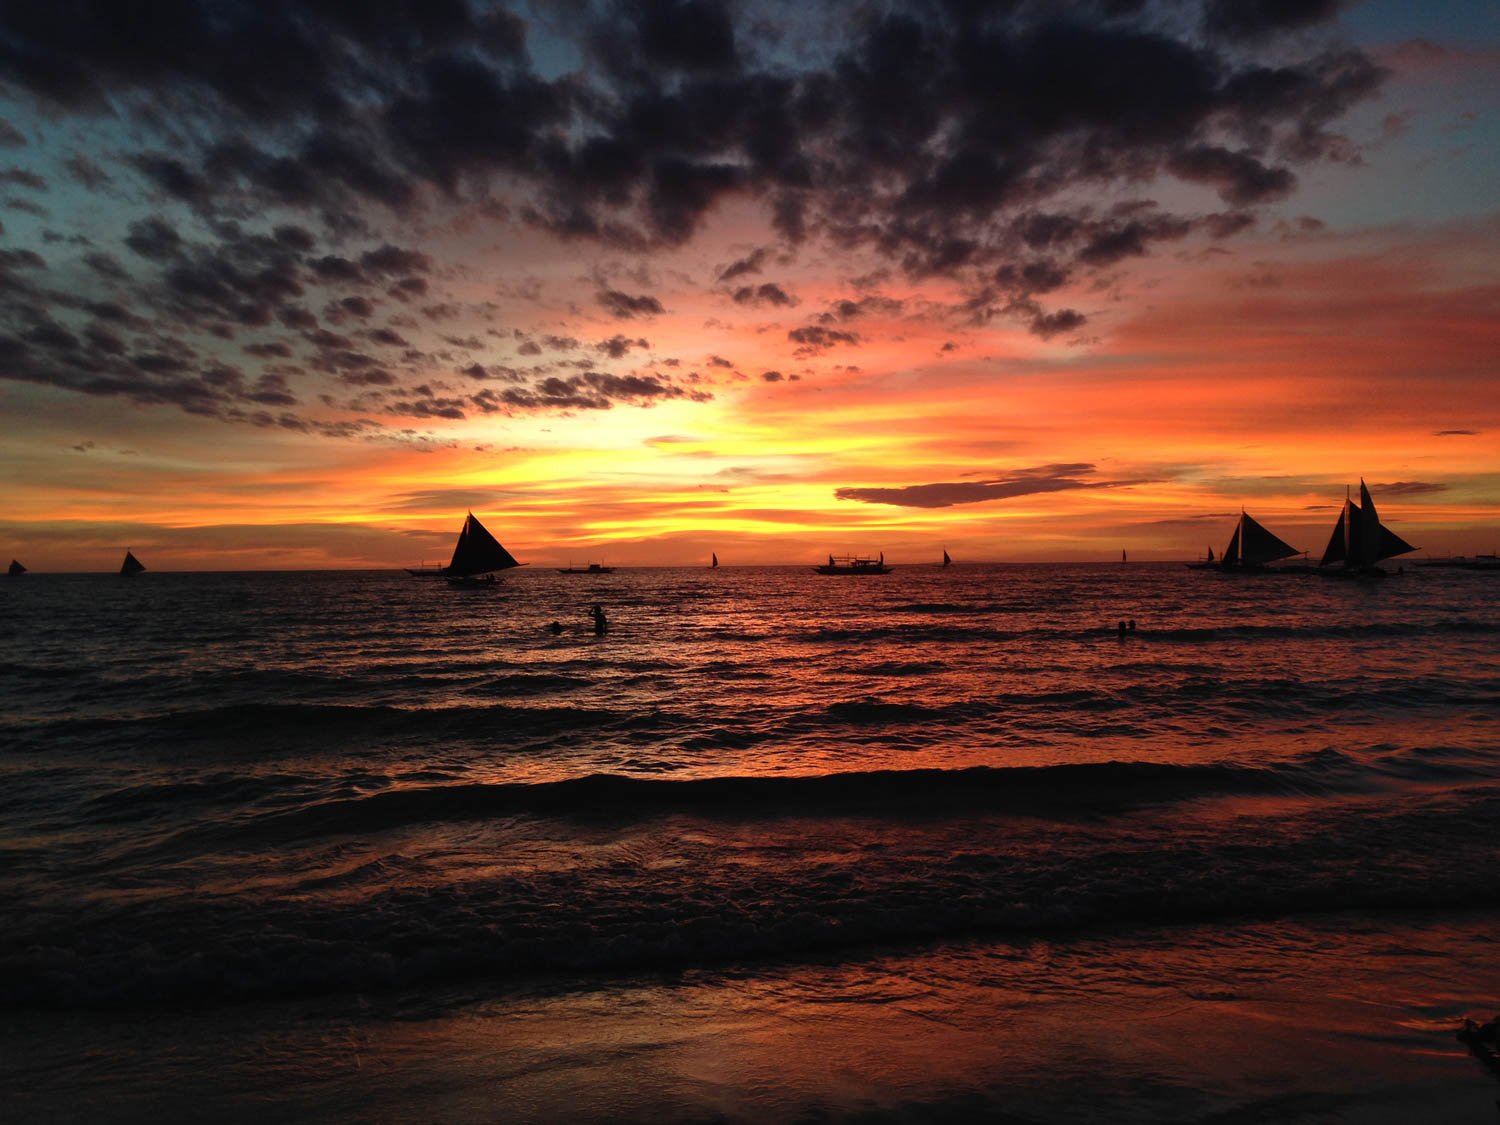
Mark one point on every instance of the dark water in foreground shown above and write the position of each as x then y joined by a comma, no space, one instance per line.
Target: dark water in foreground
255,799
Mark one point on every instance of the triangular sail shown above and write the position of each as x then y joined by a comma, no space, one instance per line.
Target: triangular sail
715,559
1335,551
16,568
1359,539
1381,542
946,560
1210,554
1231,556
1368,539
131,565
1391,545
478,552
1258,546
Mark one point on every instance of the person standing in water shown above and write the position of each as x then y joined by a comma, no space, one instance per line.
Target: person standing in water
601,625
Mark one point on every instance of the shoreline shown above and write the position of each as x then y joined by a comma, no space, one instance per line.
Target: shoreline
1348,1017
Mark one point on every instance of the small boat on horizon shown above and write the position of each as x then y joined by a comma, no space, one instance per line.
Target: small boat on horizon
946,560
131,566
16,569
476,557
714,563
1360,541
592,568
854,564
1463,562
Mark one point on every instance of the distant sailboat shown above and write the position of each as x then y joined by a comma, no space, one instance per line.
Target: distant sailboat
946,560
1251,547
714,565
131,565
16,569
476,556
1206,563
1360,540
1122,556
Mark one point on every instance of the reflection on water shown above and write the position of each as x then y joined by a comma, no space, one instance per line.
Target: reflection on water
1325,1019
880,837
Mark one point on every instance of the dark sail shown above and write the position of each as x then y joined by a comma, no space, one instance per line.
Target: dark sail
1258,546
1391,545
946,560
1231,555
1379,541
1359,539
477,552
1336,551
16,568
131,565
715,560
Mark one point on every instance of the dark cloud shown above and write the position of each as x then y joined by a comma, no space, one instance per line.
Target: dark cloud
816,337
154,238
84,171
1240,178
624,306
1026,482
750,263
767,294
1048,325
1455,433
931,132
1409,488
618,346
22,178
275,142
1259,18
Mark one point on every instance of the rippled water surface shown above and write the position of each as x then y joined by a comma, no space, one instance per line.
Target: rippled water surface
228,788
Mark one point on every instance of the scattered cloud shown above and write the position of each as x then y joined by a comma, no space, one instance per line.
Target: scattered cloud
1023,482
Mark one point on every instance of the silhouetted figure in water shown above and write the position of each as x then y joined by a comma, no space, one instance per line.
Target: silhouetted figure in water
555,628
1130,625
601,625
1122,630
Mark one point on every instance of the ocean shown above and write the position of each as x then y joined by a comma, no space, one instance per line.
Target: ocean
934,845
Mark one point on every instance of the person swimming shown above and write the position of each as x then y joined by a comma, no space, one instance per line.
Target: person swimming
601,623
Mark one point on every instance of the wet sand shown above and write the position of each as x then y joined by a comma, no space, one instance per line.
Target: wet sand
1336,1018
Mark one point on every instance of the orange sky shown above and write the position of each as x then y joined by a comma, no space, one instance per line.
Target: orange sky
1352,331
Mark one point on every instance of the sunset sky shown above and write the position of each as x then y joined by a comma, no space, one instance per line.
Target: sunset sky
297,285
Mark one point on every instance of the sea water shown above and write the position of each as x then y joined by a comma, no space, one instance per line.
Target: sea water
938,843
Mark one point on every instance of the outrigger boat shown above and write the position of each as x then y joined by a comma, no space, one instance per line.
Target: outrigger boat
1360,540
854,564
476,557
1206,563
1251,548
592,568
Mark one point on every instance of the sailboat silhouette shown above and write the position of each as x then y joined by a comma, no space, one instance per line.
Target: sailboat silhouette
476,553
